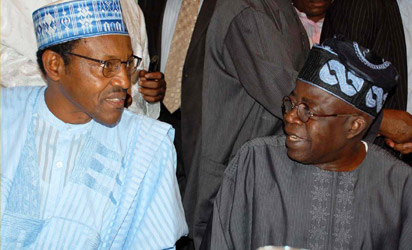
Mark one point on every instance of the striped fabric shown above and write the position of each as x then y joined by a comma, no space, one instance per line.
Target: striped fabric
376,25
57,151
268,199
85,186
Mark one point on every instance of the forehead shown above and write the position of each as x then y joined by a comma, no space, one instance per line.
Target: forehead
108,45
307,91
317,97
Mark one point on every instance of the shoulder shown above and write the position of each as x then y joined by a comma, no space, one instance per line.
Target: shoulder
132,125
263,19
262,152
262,145
10,97
143,132
392,168
146,126
17,102
228,11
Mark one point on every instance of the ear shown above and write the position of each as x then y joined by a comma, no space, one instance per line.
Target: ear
53,65
357,125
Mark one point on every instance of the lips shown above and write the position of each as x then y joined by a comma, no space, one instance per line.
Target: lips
116,100
293,138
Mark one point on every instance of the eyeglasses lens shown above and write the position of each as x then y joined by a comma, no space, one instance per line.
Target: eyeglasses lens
303,112
113,66
287,105
302,109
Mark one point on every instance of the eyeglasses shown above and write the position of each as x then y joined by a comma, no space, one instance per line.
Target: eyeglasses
112,66
304,113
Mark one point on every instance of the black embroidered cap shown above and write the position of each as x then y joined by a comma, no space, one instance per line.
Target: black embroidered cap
350,72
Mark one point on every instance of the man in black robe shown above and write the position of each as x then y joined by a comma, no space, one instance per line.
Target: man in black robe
326,189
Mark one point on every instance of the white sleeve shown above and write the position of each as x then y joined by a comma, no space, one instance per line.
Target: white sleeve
18,43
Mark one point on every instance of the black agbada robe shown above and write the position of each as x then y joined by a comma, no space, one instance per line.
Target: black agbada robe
268,199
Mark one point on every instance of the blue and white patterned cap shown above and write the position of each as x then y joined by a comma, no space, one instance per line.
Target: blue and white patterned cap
351,73
63,21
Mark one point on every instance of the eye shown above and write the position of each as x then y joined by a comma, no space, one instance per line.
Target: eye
305,109
112,65
108,64
131,62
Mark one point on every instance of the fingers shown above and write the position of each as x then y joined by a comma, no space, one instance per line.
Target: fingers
152,92
404,148
151,75
142,73
153,99
154,75
151,80
152,86
389,142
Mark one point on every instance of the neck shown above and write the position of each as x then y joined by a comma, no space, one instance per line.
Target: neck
350,160
63,109
316,18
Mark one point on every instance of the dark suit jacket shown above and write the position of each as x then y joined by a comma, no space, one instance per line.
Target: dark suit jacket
191,103
254,49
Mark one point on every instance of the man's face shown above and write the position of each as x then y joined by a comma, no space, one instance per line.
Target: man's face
86,92
314,9
321,139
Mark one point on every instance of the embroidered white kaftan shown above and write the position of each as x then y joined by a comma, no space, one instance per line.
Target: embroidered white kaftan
85,186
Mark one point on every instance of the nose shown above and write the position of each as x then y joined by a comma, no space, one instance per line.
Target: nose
292,116
122,78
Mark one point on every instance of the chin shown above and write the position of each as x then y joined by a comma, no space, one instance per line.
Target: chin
109,121
298,156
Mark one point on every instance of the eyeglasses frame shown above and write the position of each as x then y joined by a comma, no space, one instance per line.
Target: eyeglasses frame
103,62
310,112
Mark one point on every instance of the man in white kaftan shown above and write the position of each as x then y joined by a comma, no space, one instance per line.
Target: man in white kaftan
18,48
79,172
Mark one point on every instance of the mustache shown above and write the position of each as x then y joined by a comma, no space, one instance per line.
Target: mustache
117,89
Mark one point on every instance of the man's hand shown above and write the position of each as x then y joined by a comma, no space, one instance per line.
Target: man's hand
396,126
403,148
152,86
